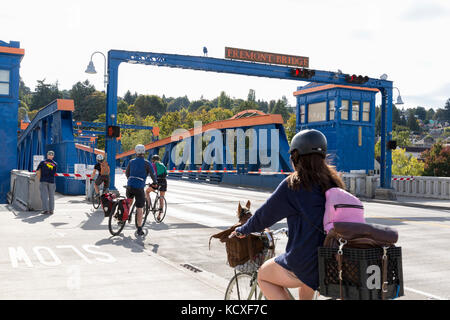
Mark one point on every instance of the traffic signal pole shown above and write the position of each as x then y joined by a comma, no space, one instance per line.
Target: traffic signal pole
111,118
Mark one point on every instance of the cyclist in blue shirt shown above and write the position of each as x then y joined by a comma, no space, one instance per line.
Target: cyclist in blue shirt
300,198
137,171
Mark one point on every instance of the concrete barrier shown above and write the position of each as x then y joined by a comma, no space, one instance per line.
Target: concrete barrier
24,193
363,185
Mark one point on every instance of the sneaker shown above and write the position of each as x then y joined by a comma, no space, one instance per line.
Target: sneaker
45,212
140,232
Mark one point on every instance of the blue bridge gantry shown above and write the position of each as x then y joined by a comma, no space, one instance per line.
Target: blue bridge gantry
75,142
116,57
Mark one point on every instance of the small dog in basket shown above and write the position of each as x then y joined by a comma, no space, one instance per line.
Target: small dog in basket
243,213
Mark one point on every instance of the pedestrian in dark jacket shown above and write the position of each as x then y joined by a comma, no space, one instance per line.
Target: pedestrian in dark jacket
45,175
300,198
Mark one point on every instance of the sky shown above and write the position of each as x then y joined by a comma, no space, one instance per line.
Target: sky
405,39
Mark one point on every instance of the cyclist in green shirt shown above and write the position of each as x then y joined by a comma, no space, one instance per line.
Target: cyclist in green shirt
161,172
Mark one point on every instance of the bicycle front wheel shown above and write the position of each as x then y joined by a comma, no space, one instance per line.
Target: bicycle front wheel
96,201
158,214
243,286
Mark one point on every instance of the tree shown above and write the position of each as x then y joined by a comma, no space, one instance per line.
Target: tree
44,94
290,127
437,161
251,95
92,107
80,93
281,108
412,123
130,98
404,165
421,113
178,104
150,106
224,101
401,136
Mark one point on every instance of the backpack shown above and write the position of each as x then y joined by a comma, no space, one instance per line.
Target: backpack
107,201
104,168
123,207
161,170
341,206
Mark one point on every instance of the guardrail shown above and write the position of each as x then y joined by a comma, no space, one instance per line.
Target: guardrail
421,187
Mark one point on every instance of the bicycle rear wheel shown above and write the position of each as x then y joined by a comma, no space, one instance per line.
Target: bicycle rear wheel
115,225
243,286
160,217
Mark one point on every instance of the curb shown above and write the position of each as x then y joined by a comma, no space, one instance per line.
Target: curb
407,204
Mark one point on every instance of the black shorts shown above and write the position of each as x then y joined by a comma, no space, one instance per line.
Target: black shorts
138,194
104,179
162,183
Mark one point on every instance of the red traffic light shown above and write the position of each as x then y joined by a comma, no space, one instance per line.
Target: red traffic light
356,79
113,131
302,73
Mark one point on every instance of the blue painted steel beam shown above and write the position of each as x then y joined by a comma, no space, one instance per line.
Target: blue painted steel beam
88,124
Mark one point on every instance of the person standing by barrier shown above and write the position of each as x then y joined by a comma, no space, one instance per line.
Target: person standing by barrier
45,175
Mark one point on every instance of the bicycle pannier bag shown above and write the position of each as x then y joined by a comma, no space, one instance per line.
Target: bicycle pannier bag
107,202
124,209
341,206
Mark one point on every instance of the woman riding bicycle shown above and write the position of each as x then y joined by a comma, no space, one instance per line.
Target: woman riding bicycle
161,173
301,199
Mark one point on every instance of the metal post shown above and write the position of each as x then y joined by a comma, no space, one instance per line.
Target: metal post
386,135
111,117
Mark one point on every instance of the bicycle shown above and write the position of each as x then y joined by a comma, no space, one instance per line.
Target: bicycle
97,199
244,285
155,207
115,221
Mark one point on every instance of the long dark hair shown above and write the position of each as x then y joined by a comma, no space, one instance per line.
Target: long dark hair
312,169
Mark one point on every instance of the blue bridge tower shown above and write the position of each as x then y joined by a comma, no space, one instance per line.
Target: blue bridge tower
10,57
346,115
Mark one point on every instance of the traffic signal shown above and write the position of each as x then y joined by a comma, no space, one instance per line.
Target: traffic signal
356,79
302,73
113,131
392,144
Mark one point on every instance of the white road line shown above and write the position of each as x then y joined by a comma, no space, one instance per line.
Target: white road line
429,295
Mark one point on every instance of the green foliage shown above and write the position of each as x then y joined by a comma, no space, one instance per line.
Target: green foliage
44,94
89,103
402,137
437,161
404,165
150,105
290,127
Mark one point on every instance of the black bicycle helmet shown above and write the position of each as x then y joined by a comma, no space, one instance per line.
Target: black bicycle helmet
155,157
309,141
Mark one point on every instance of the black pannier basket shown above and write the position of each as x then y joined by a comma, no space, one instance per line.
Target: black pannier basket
361,273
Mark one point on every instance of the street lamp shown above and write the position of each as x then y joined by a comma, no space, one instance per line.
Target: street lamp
91,69
399,98
26,119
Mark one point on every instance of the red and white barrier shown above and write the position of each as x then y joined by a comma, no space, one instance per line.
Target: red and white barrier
403,179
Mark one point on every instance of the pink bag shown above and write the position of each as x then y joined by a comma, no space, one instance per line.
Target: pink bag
341,206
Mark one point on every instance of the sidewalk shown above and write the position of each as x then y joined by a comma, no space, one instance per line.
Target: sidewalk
440,204
71,255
